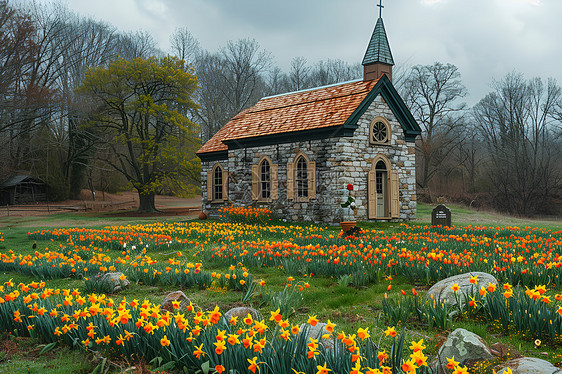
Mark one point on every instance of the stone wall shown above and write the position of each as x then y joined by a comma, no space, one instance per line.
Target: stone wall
339,161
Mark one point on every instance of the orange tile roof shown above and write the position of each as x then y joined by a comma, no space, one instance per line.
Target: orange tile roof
303,110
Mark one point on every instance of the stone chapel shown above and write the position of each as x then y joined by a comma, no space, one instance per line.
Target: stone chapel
295,153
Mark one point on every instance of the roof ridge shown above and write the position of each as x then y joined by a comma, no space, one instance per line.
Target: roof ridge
308,102
312,88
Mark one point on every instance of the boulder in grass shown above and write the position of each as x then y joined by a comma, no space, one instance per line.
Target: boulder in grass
316,332
529,365
175,296
242,312
463,345
442,291
111,282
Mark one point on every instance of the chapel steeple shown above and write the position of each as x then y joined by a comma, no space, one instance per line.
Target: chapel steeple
378,58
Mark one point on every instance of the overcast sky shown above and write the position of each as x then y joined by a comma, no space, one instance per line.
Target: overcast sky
485,39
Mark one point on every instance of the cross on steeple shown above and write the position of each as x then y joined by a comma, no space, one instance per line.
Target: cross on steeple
378,58
380,8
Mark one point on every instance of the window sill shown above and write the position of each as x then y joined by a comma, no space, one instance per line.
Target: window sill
270,200
387,144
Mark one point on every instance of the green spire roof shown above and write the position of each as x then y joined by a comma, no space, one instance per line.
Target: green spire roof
378,49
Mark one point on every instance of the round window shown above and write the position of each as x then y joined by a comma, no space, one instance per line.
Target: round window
380,132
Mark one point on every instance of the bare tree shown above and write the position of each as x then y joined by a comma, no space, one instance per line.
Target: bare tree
517,123
469,154
138,45
276,82
93,44
213,112
432,93
299,75
184,45
334,71
244,63
36,88
230,81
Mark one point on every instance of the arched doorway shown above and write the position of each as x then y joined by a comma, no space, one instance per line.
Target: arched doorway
383,189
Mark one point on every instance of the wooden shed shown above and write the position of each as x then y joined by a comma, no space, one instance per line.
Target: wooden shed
22,189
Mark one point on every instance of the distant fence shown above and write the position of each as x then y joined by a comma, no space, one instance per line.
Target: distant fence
8,210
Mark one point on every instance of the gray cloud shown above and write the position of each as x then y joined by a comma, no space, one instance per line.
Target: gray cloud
485,38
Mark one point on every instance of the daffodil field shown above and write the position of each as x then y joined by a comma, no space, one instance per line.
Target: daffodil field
226,255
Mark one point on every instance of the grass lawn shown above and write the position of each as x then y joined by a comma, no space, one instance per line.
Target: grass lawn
351,300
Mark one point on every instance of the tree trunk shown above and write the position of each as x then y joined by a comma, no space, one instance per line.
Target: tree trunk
146,202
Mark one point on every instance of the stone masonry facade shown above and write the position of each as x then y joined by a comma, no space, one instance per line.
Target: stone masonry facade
339,161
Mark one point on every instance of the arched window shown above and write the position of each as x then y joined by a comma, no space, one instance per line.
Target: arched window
301,178
380,176
264,180
217,184
379,131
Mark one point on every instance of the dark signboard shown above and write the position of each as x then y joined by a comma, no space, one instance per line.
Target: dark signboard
441,216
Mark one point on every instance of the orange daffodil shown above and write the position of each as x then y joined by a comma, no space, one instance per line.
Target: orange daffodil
322,369
312,320
451,363
276,316
409,366
460,370
363,333
165,342
253,365
330,327
417,346
199,352
382,356
390,332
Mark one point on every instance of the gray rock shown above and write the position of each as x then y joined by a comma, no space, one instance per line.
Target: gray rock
442,292
173,296
111,282
242,312
316,332
463,345
530,365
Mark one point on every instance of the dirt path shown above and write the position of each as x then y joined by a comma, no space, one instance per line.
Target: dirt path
123,204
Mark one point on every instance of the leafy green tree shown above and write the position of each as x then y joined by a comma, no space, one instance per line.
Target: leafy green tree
139,112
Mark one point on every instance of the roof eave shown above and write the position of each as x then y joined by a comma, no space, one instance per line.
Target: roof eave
288,137
213,156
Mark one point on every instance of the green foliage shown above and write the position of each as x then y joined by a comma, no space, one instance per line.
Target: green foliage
429,312
98,285
141,111
397,312
287,301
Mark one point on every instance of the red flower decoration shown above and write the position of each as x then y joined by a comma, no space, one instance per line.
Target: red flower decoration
350,187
